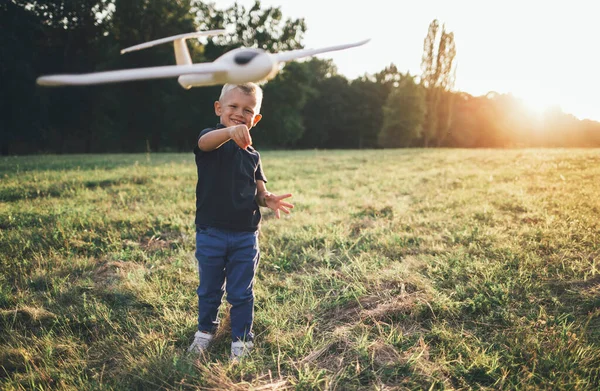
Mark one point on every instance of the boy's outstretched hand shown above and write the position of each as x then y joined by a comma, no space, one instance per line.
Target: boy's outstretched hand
276,203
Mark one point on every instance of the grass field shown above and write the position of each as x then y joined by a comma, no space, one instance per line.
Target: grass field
398,269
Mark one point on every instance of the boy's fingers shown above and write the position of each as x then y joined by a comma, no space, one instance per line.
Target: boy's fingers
242,138
281,197
245,135
287,205
285,210
240,144
277,213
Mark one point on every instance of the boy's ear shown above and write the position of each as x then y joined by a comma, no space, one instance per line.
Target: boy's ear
218,109
257,118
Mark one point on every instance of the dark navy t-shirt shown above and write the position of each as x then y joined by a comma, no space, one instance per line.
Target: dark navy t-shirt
226,188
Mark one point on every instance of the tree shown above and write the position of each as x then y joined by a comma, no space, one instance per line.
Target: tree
52,36
491,121
403,114
438,75
590,133
365,111
152,114
363,107
18,127
315,112
389,77
258,27
327,115
284,99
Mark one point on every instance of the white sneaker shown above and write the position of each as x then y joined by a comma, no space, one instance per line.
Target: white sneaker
240,349
201,342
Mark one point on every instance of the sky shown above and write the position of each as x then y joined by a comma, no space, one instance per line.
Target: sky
544,52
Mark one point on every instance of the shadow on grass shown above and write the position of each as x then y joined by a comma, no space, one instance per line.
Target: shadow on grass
66,189
581,299
43,163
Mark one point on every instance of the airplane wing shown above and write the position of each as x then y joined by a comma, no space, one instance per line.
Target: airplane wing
173,38
295,54
131,74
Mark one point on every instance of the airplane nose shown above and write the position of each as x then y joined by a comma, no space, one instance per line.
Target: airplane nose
244,57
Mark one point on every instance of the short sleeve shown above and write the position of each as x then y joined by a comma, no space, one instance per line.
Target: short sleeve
259,175
202,133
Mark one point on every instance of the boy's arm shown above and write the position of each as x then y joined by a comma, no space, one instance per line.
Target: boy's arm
213,140
270,200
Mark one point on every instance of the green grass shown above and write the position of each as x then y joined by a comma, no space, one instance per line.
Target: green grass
398,269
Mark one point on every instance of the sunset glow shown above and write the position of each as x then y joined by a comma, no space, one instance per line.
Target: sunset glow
539,51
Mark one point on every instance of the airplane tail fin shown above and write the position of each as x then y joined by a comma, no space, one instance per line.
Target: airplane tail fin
182,54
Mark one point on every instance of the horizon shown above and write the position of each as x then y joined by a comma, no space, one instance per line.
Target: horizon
508,47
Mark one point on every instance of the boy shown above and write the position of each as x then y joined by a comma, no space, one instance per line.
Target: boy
231,187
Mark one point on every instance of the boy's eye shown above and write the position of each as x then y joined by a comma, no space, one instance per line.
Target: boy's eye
248,111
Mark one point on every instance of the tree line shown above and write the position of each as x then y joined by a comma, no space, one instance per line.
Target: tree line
308,105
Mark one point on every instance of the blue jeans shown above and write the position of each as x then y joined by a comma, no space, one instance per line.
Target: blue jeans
227,260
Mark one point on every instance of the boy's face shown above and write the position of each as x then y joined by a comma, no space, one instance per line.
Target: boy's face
236,108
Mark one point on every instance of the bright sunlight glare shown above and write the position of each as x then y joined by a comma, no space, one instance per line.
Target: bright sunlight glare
541,52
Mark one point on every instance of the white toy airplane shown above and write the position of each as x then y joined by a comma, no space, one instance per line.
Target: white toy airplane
236,66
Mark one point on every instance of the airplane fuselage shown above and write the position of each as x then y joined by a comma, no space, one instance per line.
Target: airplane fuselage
245,64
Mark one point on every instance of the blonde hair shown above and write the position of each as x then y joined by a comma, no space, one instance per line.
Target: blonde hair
247,88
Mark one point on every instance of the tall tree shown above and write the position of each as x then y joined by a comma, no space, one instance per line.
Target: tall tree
403,114
438,76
